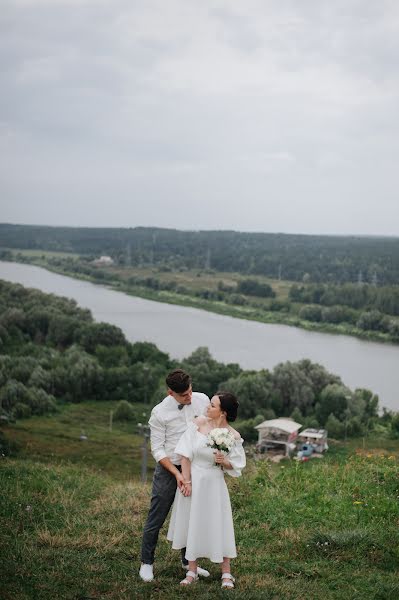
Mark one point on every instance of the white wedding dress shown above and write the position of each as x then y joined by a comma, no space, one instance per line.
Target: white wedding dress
203,522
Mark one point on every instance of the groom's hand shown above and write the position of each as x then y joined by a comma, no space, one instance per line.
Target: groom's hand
180,480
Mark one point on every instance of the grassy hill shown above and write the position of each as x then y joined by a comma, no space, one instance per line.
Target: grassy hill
71,517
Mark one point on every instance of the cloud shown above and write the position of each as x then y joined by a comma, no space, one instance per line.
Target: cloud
289,107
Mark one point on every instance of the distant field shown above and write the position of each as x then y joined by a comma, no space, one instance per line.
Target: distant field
56,439
40,253
192,279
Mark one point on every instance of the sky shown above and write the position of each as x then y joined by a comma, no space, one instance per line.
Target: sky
251,115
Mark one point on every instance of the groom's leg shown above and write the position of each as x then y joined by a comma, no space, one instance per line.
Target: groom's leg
184,560
163,493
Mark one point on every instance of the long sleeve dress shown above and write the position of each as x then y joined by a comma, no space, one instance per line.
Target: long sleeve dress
203,522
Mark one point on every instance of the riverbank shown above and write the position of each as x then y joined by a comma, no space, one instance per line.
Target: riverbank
188,287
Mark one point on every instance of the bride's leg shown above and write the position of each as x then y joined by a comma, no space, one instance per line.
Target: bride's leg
191,573
227,579
192,566
226,565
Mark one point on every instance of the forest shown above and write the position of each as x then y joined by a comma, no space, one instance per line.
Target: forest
53,352
298,258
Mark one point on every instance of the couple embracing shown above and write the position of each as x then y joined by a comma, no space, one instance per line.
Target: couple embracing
194,446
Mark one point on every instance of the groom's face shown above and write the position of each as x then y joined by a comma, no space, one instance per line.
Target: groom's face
182,397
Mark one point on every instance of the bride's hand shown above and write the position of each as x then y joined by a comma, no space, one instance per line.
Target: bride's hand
219,458
186,489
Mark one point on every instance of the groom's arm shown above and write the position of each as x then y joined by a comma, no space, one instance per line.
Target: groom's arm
158,436
169,466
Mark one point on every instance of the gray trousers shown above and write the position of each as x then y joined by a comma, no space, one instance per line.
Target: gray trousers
163,493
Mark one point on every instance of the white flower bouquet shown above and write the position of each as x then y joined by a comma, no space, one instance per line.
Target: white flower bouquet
220,439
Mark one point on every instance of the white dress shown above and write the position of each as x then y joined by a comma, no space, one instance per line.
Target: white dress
203,522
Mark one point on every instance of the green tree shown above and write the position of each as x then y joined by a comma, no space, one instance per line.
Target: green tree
333,401
253,390
100,334
292,388
334,427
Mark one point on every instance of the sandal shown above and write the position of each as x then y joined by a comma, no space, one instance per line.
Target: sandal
227,581
186,581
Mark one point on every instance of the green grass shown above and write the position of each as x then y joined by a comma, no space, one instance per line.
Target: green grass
71,518
56,439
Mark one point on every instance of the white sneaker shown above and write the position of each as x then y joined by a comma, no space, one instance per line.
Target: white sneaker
201,572
146,572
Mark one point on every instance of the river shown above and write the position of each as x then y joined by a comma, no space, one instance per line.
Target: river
180,330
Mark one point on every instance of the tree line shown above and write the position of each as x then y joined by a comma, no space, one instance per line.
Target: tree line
308,258
52,352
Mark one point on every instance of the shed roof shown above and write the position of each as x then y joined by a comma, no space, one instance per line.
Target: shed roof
287,425
314,433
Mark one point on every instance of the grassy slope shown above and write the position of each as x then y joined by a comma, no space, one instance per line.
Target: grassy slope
55,439
71,520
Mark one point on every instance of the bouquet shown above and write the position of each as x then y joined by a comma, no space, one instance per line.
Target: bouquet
220,439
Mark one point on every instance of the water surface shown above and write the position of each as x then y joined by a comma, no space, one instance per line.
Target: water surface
180,330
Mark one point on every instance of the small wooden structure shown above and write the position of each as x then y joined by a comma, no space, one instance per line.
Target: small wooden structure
317,438
278,436
106,261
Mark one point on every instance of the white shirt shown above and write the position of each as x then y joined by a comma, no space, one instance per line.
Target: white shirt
168,423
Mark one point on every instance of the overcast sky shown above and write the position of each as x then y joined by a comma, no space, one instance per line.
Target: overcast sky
253,115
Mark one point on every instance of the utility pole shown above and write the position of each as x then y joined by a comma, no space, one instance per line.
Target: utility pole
111,415
128,255
144,430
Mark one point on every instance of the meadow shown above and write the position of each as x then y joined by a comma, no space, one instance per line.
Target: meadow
72,513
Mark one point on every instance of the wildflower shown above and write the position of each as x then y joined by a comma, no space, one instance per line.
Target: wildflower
28,508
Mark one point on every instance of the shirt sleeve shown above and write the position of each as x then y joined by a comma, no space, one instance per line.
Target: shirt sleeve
185,446
237,459
158,437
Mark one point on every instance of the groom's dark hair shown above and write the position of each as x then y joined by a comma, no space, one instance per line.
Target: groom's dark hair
228,404
178,381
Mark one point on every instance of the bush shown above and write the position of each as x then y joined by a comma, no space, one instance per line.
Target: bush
252,287
236,300
335,428
124,411
373,320
40,402
311,313
22,411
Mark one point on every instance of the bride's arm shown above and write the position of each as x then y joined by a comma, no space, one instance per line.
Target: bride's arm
186,472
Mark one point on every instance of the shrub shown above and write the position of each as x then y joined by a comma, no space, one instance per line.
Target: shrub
311,313
124,411
22,411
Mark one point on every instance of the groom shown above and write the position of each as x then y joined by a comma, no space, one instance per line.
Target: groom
168,421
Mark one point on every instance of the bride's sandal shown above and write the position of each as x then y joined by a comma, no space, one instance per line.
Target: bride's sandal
227,581
187,581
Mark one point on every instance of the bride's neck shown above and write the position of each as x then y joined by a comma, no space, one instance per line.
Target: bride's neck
220,422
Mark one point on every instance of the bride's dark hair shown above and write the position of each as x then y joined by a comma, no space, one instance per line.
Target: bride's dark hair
228,404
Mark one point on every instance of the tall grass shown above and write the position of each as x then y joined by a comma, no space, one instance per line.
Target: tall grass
323,529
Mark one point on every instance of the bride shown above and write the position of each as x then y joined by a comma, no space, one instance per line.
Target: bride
201,519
